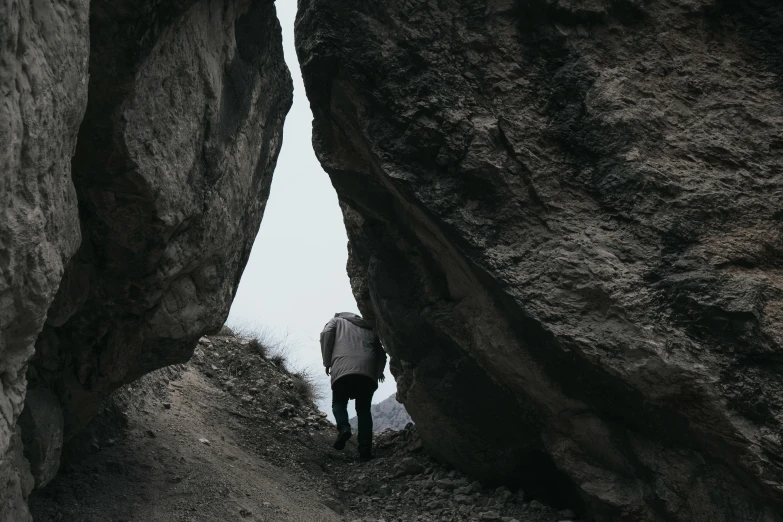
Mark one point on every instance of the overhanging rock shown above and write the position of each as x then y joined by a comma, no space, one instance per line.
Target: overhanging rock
127,214
566,219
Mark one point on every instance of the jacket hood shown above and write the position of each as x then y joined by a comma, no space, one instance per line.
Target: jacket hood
355,319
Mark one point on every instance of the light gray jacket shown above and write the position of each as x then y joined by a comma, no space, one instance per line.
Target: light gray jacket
350,346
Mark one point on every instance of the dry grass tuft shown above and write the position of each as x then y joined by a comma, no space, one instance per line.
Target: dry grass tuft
307,386
277,350
259,348
265,343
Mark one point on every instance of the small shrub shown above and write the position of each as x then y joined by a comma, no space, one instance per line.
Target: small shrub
279,354
306,386
279,360
253,331
258,348
264,342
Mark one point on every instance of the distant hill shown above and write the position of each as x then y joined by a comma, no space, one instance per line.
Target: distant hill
387,414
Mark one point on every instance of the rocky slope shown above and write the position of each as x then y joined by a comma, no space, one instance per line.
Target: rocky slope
232,436
565,218
387,414
139,140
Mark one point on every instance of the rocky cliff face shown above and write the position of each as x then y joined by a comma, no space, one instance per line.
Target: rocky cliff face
567,220
43,93
386,415
166,182
172,168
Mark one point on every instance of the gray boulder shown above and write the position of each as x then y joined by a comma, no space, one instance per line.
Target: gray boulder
172,170
565,218
43,94
128,218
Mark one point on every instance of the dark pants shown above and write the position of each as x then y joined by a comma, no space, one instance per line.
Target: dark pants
361,388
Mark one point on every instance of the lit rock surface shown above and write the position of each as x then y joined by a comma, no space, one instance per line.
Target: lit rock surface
567,221
43,94
137,144
172,169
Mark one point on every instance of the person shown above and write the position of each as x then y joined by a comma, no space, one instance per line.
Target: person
355,360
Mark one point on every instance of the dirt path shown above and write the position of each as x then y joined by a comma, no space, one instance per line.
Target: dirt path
234,436
162,470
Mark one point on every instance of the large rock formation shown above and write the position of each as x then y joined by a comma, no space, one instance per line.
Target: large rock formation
567,220
172,168
43,94
166,182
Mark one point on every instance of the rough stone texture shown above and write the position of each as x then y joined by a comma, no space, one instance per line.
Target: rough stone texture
172,170
43,93
160,182
387,414
567,220
18,481
41,423
267,456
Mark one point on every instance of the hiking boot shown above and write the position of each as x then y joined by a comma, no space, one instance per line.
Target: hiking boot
342,438
365,455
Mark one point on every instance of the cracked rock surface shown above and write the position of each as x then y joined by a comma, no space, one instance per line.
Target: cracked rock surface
43,95
137,144
172,169
565,218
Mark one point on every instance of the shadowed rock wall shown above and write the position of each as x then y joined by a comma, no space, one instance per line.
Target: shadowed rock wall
44,49
567,221
172,168
162,192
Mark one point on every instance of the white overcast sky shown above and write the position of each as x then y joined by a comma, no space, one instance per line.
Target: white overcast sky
295,280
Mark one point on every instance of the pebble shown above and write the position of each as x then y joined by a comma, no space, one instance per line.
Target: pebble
465,490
